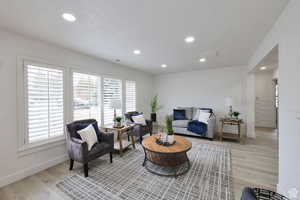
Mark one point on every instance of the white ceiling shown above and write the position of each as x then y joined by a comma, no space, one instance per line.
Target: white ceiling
112,29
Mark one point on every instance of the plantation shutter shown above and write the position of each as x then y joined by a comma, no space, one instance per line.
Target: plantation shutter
112,90
45,102
130,96
86,97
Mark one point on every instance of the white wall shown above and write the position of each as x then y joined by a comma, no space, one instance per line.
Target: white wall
276,73
265,110
203,88
250,104
286,33
13,166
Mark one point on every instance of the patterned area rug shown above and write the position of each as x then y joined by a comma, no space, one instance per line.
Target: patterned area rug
208,178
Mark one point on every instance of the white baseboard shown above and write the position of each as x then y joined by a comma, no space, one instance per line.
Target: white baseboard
11,178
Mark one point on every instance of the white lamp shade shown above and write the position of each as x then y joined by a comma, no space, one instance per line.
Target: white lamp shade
115,104
228,101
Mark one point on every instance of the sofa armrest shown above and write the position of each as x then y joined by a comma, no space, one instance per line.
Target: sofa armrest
78,150
211,126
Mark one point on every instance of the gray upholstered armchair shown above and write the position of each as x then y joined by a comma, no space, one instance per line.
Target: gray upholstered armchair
138,129
78,150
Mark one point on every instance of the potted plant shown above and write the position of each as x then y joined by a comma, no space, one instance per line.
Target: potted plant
118,121
154,107
169,129
236,114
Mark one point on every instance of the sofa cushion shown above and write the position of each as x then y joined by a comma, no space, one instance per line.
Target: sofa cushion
179,114
196,112
89,136
180,123
99,149
84,125
188,112
139,119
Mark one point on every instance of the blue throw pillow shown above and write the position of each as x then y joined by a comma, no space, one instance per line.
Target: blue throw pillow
179,114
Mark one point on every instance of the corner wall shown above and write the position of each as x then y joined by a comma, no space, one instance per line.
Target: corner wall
286,33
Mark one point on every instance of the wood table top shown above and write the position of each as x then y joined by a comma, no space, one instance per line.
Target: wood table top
125,127
181,145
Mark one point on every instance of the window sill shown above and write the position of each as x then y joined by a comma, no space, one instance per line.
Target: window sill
40,146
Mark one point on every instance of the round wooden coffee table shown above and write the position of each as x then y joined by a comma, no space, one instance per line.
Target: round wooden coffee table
166,160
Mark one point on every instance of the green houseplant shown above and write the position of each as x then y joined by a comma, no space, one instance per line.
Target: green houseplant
169,127
118,121
169,130
236,114
154,107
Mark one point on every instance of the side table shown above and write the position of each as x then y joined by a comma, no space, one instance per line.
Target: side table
231,122
121,143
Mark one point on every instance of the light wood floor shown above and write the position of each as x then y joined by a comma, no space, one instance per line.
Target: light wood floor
254,164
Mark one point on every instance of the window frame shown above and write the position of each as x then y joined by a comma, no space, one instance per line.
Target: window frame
135,82
24,147
122,97
75,70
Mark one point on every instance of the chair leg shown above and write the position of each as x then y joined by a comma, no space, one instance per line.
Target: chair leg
86,170
71,164
141,139
111,157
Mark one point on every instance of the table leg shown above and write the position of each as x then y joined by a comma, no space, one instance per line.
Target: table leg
145,159
120,143
239,131
132,141
221,132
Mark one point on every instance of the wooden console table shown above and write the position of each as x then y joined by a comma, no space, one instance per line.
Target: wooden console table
231,122
121,143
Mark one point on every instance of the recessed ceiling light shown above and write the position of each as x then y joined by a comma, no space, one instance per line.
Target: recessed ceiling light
164,65
189,39
263,68
202,59
137,52
69,17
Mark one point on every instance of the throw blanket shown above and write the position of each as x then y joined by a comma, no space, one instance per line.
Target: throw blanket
197,127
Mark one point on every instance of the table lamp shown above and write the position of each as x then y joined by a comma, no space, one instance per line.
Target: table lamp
228,103
115,104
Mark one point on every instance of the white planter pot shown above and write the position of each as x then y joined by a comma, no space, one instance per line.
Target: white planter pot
170,139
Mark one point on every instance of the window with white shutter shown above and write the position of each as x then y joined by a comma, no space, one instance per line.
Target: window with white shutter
112,91
130,96
86,97
44,97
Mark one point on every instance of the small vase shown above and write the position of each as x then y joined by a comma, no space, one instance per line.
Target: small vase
170,139
153,117
118,124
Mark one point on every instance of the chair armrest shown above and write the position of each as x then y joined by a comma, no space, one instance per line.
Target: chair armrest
149,122
108,138
78,150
